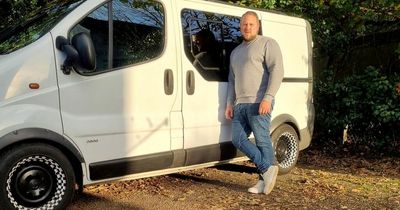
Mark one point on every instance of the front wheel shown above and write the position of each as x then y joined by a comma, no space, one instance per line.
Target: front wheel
286,144
35,176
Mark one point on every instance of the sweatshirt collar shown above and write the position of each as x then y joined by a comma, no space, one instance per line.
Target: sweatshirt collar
252,41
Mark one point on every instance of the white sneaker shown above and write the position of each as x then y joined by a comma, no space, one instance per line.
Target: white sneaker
258,188
270,178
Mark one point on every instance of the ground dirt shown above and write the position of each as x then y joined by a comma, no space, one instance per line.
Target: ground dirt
318,182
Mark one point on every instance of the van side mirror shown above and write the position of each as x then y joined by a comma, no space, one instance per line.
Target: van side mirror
81,55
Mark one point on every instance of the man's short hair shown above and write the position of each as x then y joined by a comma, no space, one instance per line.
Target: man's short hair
251,13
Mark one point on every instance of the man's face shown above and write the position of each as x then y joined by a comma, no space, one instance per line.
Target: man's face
249,27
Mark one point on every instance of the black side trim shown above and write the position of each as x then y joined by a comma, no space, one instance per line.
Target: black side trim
125,166
42,134
297,79
179,158
164,160
216,152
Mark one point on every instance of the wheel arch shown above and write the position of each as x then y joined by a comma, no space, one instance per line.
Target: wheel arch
40,135
285,119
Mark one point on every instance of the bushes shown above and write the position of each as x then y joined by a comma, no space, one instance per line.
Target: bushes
367,104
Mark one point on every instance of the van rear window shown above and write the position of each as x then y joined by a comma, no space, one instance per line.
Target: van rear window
23,22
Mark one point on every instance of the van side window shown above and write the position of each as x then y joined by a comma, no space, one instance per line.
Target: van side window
209,39
133,34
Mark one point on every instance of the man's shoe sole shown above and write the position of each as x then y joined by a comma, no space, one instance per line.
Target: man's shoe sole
256,190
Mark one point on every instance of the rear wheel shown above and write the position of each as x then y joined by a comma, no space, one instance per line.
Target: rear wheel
286,144
35,176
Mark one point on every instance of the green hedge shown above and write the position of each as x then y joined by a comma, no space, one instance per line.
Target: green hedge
367,104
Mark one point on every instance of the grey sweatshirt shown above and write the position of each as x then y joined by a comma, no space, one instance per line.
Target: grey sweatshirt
256,71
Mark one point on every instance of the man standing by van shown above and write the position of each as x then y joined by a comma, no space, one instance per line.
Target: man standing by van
256,72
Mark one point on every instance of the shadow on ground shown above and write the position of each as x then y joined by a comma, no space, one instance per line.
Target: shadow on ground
85,201
208,181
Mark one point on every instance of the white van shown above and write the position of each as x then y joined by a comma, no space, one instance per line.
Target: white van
95,90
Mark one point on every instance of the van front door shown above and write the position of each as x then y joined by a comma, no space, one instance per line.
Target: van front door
123,108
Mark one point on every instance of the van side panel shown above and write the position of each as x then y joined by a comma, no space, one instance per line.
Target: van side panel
295,94
21,106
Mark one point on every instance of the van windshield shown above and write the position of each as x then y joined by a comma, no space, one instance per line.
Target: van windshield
23,23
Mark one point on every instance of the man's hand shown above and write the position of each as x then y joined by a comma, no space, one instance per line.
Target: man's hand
265,107
229,112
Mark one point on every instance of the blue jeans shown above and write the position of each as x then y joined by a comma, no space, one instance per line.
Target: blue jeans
246,120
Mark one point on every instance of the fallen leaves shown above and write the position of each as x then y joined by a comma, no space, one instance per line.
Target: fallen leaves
318,182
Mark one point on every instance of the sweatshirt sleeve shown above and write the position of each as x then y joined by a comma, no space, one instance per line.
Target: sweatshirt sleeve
274,63
231,96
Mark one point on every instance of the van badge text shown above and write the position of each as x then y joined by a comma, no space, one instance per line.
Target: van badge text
92,141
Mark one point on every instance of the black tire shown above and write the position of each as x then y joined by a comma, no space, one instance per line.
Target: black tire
286,145
35,176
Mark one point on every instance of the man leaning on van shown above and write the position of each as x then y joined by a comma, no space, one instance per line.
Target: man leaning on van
256,72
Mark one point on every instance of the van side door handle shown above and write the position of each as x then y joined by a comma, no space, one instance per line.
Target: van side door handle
168,82
190,82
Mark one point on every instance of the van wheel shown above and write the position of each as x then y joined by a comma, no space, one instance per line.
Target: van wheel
35,176
286,144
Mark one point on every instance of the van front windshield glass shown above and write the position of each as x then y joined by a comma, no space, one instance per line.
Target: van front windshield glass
23,23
